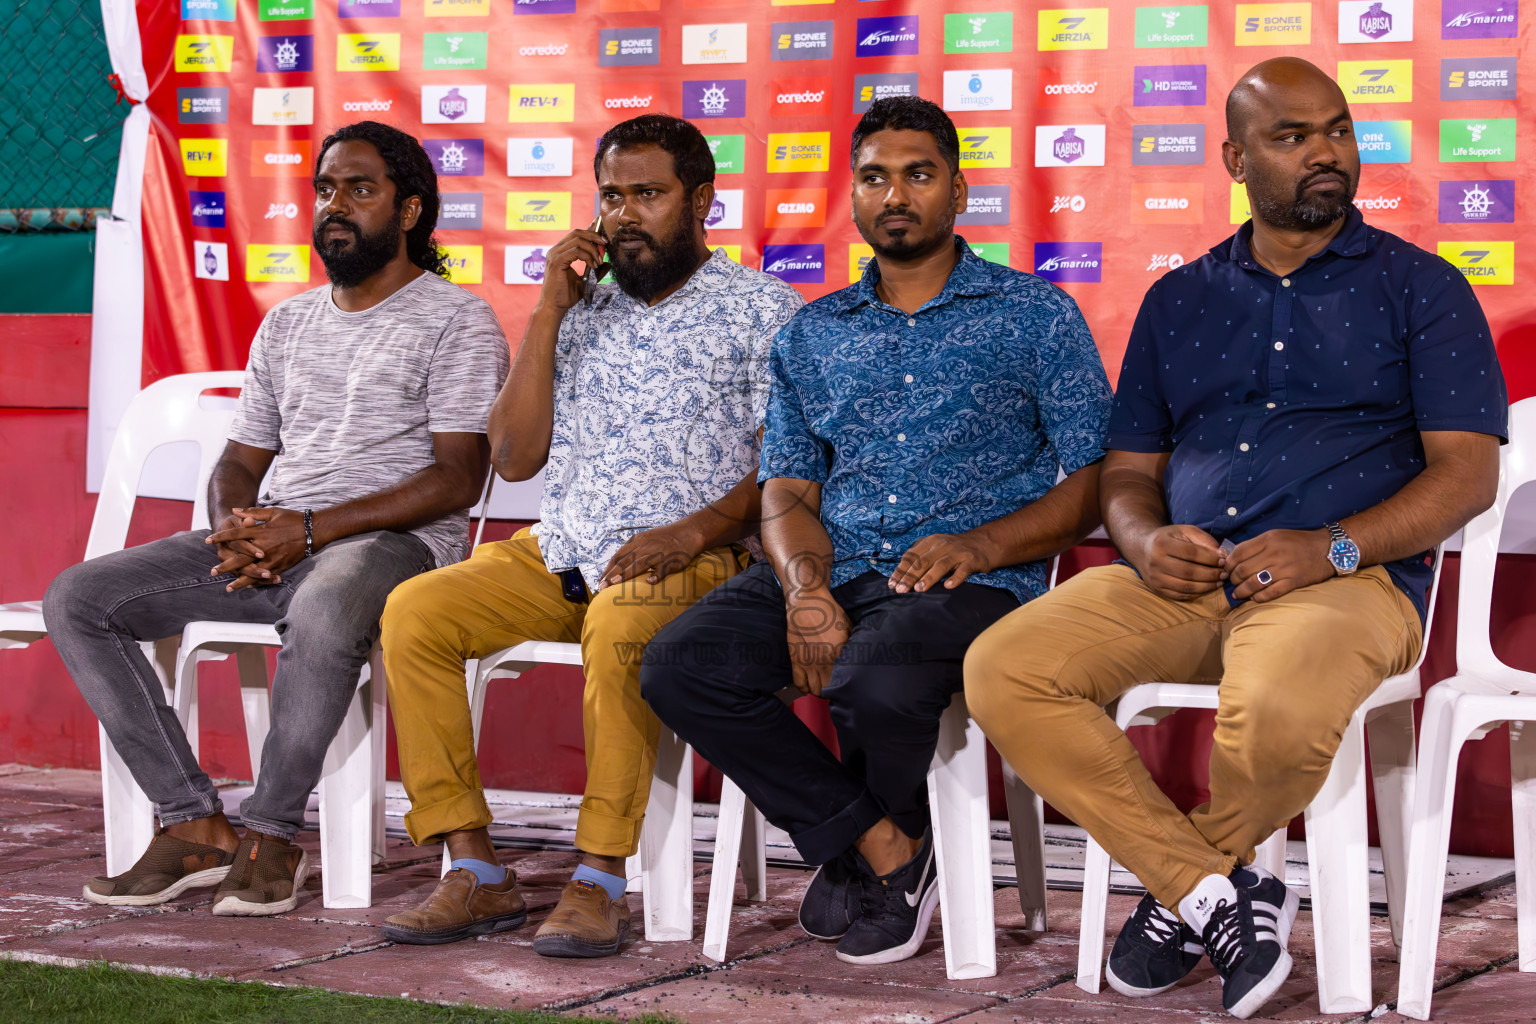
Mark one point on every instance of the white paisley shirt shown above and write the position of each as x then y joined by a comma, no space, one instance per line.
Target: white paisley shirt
656,408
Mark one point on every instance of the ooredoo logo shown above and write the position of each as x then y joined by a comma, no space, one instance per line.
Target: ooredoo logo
368,101
797,97
280,158
636,97
1056,86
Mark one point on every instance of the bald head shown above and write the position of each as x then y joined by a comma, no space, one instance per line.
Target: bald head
1262,95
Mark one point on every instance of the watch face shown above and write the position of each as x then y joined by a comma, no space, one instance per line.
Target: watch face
1344,555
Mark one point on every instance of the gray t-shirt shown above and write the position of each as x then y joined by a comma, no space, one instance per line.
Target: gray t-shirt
350,401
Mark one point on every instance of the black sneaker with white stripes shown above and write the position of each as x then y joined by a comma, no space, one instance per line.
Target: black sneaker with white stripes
1153,952
894,910
1247,940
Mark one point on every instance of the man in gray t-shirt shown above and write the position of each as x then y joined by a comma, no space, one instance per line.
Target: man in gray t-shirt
367,400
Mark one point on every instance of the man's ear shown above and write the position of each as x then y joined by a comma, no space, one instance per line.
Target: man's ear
703,200
1233,158
410,212
961,190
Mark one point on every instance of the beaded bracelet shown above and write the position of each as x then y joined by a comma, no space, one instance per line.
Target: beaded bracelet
309,532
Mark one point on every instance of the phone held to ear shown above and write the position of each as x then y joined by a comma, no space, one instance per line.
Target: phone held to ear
596,273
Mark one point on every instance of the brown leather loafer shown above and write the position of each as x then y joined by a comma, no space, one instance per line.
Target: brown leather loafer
460,907
584,923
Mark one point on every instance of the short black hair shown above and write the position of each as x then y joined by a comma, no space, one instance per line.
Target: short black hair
908,114
692,160
410,168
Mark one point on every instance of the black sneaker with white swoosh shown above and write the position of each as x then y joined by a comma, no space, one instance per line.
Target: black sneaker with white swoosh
895,910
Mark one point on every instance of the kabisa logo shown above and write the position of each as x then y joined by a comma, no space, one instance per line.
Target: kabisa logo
795,208
1153,144
454,51
1479,19
538,211
1274,24
716,98
287,211
1488,138
539,158
368,52
533,266
796,263
1171,26
802,40
202,105
1069,261
1376,21
461,211
1069,145
628,47
868,88
1068,204
985,204
542,103
1478,78
284,264
990,89
1384,142
798,151
452,104
1481,262
525,264
210,260
1377,81
204,53
285,53
986,147
1486,201
1082,28
457,157
885,37
989,32
1165,261
1170,85
207,209
205,158
726,211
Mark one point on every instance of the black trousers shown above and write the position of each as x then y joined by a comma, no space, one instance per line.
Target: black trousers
713,672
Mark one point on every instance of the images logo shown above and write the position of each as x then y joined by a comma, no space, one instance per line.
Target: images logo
525,264
1274,24
542,103
205,158
801,40
1479,19
627,47
868,88
802,263
1478,78
207,10
456,157
730,153
990,89
465,263
461,211
798,151
986,147
1487,138
368,52
454,51
285,53
715,44
1170,85
1486,201
988,32
1376,21
1166,202
1376,81
452,104
294,105
795,97
715,98
1384,142
726,211
885,37
1069,261
1481,262
202,105
795,208
548,157
985,204
1153,144
282,264
204,53
281,158
207,209
538,211
1081,28
1068,145
1171,26
210,260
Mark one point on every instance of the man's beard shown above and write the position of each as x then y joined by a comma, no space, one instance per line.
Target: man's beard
1300,211
906,243
349,265
672,259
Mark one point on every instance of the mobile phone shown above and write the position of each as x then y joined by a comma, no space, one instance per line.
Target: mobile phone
596,273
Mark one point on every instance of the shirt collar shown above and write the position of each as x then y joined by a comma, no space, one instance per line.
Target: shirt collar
1353,239
971,277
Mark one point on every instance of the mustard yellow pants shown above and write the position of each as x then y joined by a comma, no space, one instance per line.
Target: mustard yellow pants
502,596
1291,673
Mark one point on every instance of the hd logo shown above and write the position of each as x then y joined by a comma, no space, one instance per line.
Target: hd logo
538,211
986,147
542,103
1078,28
281,264
1376,81
205,158
1274,24
798,151
368,52
465,263
1481,262
204,53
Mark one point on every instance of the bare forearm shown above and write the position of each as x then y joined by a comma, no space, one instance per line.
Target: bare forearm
522,419
1133,505
1432,506
735,515
415,501
1059,519
796,543
231,486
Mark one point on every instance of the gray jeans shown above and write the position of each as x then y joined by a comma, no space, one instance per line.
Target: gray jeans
326,611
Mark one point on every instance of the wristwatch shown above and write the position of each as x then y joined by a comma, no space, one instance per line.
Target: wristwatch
1343,553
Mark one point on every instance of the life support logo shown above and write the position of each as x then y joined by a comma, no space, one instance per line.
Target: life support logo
1162,26
284,264
205,158
730,153
538,211
1481,262
979,32
1477,139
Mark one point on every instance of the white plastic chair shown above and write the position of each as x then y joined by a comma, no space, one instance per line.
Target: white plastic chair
1337,845
1484,693
166,412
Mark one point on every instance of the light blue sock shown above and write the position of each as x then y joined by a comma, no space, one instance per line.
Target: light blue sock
485,872
615,884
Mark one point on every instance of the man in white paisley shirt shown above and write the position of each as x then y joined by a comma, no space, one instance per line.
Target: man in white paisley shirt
642,401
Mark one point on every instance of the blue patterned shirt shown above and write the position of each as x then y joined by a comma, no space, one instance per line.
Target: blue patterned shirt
1290,402
937,422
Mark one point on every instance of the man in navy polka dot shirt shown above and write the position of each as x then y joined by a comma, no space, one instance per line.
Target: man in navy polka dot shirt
1302,415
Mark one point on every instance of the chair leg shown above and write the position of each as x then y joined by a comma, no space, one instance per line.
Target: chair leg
666,845
1090,943
962,843
754,853
1439,745
1522,764
1393,763
256,700
729,837
347,803
1271,854
1026,824
1340,875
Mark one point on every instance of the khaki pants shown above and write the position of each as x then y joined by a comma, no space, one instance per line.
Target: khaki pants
502,596
1292,672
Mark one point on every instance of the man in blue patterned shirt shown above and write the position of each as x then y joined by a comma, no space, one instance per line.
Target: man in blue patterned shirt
915,429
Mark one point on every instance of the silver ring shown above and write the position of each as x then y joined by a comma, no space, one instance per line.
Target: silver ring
1264,578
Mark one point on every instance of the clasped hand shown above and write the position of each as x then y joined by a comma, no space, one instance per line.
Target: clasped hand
257,545
1183,562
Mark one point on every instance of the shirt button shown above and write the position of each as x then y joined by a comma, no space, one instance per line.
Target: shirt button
911,322
1285,281
1243,446
1231,510
901,437
886,545
909,378
1269,405
891,499
1279,345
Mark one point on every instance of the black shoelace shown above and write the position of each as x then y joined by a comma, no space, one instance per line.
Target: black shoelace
1158,928
878,900
1224,935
